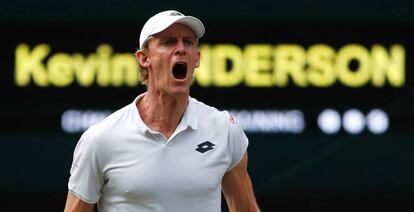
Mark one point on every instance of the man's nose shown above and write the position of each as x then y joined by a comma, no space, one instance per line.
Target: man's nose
180,48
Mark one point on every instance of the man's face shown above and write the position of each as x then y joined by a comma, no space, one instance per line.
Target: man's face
173,54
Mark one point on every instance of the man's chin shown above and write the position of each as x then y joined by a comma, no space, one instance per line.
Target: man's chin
181,91
176,90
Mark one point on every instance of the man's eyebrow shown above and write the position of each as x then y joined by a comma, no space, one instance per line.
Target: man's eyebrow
167,38
190,38
173,37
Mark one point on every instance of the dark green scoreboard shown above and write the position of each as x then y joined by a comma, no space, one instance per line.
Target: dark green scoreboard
328,108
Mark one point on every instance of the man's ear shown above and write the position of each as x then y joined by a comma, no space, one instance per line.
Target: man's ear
142,58
197,62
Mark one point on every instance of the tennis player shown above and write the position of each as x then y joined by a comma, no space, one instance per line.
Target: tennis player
165,151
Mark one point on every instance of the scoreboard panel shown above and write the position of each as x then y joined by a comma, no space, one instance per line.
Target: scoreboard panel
327,107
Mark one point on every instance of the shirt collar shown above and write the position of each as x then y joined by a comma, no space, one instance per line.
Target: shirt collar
190,114
189,118
143,128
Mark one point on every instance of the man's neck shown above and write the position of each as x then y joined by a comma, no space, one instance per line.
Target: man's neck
162,112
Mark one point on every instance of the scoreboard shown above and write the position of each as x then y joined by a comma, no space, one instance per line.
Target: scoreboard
328,108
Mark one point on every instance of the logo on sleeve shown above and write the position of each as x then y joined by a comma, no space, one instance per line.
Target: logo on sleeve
205,146
232,119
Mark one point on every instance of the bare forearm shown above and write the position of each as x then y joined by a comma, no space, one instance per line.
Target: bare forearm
238,189
75,204
243,202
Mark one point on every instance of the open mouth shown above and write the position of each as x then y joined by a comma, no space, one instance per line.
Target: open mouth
180,70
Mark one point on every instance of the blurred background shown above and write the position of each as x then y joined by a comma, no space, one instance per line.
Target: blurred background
323,89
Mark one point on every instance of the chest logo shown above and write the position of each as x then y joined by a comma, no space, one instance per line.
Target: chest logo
205,146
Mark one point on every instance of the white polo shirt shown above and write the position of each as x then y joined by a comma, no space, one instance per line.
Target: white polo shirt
123,165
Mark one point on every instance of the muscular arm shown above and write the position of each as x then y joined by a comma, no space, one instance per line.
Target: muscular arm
237,188
74,204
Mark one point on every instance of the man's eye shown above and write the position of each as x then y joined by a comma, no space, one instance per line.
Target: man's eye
189,42
167,42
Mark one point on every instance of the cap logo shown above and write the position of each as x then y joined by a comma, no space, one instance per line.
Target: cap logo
176,14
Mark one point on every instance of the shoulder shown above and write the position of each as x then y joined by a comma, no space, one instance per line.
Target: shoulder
108,127
115,120
205,110
212,116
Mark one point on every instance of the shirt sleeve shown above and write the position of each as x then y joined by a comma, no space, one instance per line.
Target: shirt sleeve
237,142
86,179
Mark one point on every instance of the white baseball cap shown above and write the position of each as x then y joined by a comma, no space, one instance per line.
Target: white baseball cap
163,20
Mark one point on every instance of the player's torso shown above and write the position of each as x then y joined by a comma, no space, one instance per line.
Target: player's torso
157,175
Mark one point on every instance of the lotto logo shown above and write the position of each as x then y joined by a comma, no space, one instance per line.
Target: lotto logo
205,146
